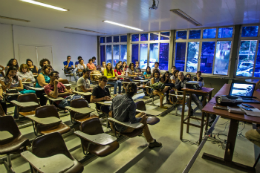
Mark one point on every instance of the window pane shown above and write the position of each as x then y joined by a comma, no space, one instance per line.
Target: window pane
144,37
154,50
116,39
257,63
109,39
153,36
108,54
194,34
181,35
123,38
135,49
192,57
135,37
180,56
115,55
209,33
164,56
165,35
246,58
143,55
222,57
225,32
102,54
207,56
123,53
249,31
102,39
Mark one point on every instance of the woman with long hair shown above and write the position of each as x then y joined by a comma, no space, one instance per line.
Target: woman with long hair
147,73
32,67
174,77
109,73
118,70
11,63
124,66
131,70
25,74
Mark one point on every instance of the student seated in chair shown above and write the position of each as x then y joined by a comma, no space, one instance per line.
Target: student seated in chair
83,84
101,93
56,89
160,93
180,83
123,109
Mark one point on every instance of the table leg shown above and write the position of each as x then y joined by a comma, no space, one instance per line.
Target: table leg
188,120
207,122
201,126
182,114
227,161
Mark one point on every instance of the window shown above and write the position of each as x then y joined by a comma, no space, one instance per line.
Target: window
207,56
257,62
194,34
109,39
225,32
180,56
222,57
181,35
192,57
135,37
249,31
112,51
209,33
116,39
144,37
123,38
153,47
143,56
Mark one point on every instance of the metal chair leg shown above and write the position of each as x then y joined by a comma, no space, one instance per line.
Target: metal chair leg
256,161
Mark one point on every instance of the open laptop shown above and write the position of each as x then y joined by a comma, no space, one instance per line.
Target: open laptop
243,90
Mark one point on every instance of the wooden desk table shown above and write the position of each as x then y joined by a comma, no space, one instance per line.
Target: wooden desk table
45,121
85,110
204,92
36,89
232,134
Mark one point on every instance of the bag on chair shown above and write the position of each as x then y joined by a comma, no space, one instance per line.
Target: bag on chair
158,86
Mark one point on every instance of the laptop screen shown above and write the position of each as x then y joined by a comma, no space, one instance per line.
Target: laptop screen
242,89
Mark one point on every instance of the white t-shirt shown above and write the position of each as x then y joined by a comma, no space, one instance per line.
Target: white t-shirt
154,69
172,77
128,70
82,82
81,67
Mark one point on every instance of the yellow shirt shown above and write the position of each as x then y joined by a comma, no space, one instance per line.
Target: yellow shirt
109,75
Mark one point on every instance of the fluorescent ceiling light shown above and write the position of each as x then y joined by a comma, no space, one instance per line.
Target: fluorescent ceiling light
122,25
10,18
86,30
44,5
186,16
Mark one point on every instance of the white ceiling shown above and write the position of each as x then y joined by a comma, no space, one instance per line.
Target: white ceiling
89,14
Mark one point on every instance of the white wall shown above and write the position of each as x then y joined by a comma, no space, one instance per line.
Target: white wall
62,43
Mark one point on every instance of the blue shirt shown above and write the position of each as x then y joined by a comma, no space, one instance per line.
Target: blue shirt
66,63
76,63
47,80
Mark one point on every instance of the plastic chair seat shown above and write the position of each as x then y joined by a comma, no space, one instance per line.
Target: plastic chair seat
103,151
15,145
61,128
134,133
25,114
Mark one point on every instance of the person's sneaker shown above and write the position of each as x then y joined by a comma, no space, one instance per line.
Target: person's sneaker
155,144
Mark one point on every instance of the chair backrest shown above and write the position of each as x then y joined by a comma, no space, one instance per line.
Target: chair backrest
140,105
49,145
92,126
28,98
64,81
2,112
78,103
47,111
7,123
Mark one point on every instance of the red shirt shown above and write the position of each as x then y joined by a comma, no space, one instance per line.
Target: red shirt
49,88
91,66
118,73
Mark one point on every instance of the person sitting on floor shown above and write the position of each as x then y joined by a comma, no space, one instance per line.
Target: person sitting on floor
56,89
83,84
159,92
109,73
25,74
180,83
253,135
101,93
123,109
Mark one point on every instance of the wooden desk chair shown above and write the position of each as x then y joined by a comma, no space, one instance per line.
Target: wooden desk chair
11,140
2,112
94,140
64,81
27,111
76,117
176,98
51,145
49,111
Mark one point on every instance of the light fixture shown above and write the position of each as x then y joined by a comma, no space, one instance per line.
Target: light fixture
10,18
186,16
86,30
44,5
122,25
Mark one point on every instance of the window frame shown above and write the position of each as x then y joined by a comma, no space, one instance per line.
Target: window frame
201,40
149,42
239,43
112,45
